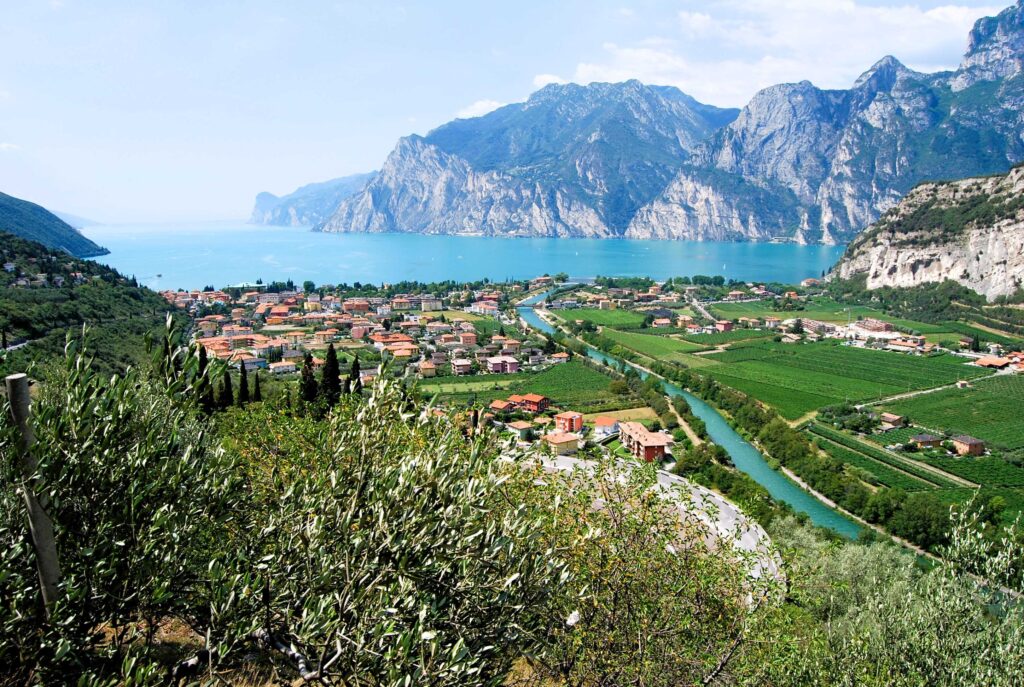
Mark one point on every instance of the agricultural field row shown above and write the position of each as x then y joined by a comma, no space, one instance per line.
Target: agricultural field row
884,474
719,338
990,409
881,455
604,318
659,347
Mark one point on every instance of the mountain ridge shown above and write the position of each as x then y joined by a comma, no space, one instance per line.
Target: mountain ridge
307,205
797,163
33,222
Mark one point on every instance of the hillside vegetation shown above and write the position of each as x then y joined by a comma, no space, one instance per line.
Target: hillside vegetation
35,223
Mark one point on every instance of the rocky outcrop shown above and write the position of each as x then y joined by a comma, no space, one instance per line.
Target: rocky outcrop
970,231
422,189
309,205
996,49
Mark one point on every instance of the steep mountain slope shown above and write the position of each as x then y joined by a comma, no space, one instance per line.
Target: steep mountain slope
798,162
838,159
308,205
570,161
36,223
970,231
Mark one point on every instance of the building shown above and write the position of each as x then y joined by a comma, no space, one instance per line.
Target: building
467,338
569,421
461,366
661,322
723,325
429,304
534,403
282,368
427,368
605,426
968,446
562,443
891,420
641,442
926,440
521,428
500,406
505,364
560,357
993,363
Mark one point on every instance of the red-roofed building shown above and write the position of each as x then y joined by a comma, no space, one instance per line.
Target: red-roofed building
569,421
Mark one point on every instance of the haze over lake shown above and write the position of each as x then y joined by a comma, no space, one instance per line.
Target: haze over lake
199,254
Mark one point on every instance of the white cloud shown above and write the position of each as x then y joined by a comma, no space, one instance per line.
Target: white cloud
479,108
542,80
724,51
8,147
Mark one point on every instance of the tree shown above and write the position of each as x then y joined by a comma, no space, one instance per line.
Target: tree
975,343
798,327
354,380
307,383
227,394
501,330
308,286
206,400
257,395
243,385
330,378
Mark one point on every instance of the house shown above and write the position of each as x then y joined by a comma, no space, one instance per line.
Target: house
535,403
891,420
427,368
807,283
430,304
521,428
461,366
683,321
562,443
735,295
569,421
993,363
560,357
641,442
723,326
968,446
500,406
925,440
502,364
605,426
282,368
772,322
467,338
661,322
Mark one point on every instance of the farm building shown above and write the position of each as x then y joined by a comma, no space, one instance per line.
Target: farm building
968,446
925,440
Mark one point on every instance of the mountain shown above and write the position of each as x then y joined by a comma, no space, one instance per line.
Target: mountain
308,205
74,220
970,231
570,161
797,163
35,223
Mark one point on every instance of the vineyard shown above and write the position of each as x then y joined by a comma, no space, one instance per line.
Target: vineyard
989,410
604,318
797,378
659,347
719,338
985,470
883,473
882,456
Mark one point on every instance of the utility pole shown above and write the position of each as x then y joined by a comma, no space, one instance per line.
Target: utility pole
39,522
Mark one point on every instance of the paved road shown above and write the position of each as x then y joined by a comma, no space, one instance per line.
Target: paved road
724,520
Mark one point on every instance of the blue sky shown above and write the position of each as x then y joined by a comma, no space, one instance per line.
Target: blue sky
140,110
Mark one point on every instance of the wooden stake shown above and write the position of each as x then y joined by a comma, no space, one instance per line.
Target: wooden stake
39,522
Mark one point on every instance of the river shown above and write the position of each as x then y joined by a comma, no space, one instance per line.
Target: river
746,458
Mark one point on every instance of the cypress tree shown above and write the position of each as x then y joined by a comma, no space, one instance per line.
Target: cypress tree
243,386
256,395
330,378
206,401
4,342
307,384
227,395
353,376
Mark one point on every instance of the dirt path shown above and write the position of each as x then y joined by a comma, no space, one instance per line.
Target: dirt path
918,464
691,435
806,417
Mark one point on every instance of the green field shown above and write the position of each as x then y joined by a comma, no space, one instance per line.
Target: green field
719,338
660,347
603,318
571,385
883,474
797,378
823,309
989,410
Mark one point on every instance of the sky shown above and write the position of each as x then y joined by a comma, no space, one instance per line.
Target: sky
148,111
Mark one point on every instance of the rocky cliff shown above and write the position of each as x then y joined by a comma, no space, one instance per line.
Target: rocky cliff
308,205
627,160
970,231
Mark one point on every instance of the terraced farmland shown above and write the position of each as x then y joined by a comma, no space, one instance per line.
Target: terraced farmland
989,410
797,378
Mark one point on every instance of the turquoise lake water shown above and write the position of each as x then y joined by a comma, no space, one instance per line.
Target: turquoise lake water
746,458
199,254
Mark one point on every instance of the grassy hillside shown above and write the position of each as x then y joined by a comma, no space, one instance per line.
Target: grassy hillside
30,221
40,315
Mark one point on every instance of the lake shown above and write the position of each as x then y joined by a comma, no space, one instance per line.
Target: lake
193,255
